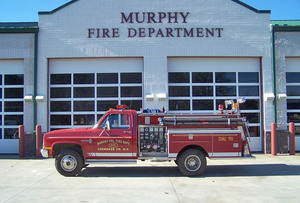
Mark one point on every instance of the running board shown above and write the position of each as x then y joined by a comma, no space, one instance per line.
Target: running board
155,159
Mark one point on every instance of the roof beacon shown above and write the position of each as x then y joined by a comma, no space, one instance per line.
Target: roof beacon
121,106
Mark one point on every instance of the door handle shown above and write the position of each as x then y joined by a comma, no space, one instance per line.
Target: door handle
127,132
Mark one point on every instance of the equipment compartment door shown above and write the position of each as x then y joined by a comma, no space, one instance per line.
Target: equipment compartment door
227,145
114,139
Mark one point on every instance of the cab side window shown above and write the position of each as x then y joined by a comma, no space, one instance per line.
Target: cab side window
116,121
119,121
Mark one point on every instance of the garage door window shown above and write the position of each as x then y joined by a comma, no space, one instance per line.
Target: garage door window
79,99
11,105
293,99
203,91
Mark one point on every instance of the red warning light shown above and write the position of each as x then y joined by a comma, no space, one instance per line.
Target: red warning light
121,106
221,107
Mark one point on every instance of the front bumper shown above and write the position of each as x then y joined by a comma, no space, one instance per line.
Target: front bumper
44,153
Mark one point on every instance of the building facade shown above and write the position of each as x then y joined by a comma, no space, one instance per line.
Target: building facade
186,56
286,56
17,67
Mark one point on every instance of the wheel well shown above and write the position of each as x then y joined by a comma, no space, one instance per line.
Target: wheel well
63,146
192,147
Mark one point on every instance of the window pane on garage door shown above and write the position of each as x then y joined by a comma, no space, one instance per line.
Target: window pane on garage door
199,85
293,95
12,105
79,96
81,90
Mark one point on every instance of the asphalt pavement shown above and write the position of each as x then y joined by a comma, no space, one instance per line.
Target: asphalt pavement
263,179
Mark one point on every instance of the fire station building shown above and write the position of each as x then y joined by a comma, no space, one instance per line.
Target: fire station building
87,56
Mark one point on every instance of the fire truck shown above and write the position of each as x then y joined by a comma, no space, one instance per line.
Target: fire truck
122,135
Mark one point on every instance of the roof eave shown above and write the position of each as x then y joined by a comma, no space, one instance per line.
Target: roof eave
57,9
251,8
278,28
19,30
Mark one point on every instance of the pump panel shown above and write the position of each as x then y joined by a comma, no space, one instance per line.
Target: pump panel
152,141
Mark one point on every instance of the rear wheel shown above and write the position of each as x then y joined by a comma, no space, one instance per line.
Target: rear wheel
69,163
192,162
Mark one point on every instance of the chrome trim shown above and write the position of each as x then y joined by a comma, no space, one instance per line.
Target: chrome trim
225,154
113,154
214,132
173,155
44,153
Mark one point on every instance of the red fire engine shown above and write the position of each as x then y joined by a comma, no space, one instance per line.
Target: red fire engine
122,135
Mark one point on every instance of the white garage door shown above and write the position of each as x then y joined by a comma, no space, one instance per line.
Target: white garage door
199,85
293,93
11,104
81,90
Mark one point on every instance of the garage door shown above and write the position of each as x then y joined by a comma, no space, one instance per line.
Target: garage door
81,90
199,85
293,93
11,104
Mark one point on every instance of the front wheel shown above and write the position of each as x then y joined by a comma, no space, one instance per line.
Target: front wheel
69,163
192,162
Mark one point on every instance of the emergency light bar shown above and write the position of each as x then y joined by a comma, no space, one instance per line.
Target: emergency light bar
121,106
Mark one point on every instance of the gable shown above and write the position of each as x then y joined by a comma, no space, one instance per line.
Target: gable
236,1
113,27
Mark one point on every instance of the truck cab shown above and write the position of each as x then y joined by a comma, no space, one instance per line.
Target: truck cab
115,136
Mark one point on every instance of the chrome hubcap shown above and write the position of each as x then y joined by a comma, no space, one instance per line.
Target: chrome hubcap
68,163
192,163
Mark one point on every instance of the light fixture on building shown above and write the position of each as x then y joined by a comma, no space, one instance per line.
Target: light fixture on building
28,98
269,97
162,97
39,99
282,97
150,97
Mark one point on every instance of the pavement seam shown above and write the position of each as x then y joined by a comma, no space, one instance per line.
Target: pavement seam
10,198
174,189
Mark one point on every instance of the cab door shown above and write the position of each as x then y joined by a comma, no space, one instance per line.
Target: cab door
114,138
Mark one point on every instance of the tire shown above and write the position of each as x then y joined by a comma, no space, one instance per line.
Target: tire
192,162
69,163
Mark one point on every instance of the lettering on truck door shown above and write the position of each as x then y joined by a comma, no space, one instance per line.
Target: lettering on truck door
114,138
